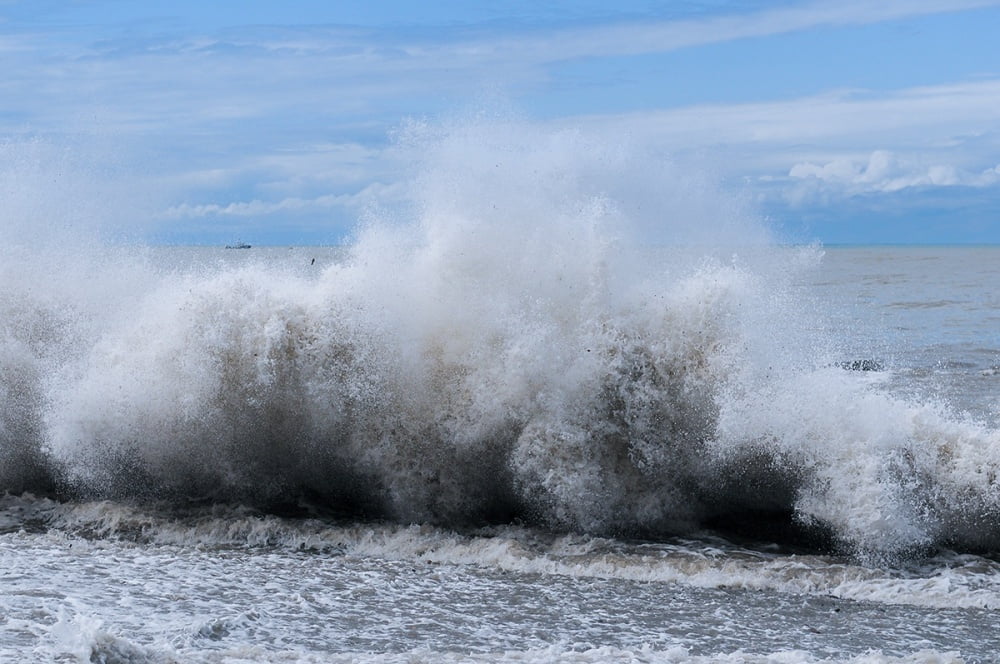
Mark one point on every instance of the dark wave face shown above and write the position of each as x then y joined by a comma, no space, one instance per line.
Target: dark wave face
513,350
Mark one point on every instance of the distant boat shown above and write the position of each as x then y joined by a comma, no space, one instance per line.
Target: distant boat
238,245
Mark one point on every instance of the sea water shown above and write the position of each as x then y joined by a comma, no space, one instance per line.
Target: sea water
559,406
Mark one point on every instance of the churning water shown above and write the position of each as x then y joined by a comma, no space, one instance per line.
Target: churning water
569,403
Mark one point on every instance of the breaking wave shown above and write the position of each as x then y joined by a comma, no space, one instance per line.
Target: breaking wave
551,330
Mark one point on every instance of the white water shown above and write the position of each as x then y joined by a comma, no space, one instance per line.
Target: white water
506,351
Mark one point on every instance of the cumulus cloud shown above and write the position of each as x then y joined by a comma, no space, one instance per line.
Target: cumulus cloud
816,149
885,171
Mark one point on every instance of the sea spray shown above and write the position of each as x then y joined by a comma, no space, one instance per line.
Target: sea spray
508,345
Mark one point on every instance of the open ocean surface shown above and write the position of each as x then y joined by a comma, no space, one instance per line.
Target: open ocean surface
786,455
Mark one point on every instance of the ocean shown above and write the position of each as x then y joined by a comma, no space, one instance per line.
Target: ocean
640,455
560,404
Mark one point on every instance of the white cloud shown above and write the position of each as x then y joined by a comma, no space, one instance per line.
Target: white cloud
662,36
833,137
293,204
232,112
458,48
912,116
244,73
836,170
819,149
881,172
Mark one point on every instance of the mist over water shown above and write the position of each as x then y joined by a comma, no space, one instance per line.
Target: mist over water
553,329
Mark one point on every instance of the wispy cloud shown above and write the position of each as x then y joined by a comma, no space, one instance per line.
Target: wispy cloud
146,82
844,118
947,128
660,36
816,152
269,120
469,45
353,202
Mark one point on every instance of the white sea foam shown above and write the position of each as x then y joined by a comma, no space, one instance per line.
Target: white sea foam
114,602
678,655
949,582
83,639
88,643
222,584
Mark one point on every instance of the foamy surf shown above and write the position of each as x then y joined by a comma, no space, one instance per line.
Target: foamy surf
77,638
558,404
947,581
578,413
105,648
408,592
499,356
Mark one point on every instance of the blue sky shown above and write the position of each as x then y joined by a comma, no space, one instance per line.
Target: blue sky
201,122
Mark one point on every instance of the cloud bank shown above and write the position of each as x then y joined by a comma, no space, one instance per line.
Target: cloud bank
290,124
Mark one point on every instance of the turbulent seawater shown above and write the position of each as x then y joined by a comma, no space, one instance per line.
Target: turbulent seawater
559,407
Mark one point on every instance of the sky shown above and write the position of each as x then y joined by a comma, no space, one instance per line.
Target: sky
203,122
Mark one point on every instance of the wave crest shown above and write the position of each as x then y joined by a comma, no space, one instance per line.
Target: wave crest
509,354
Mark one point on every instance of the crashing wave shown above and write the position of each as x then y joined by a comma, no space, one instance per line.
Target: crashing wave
510,353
